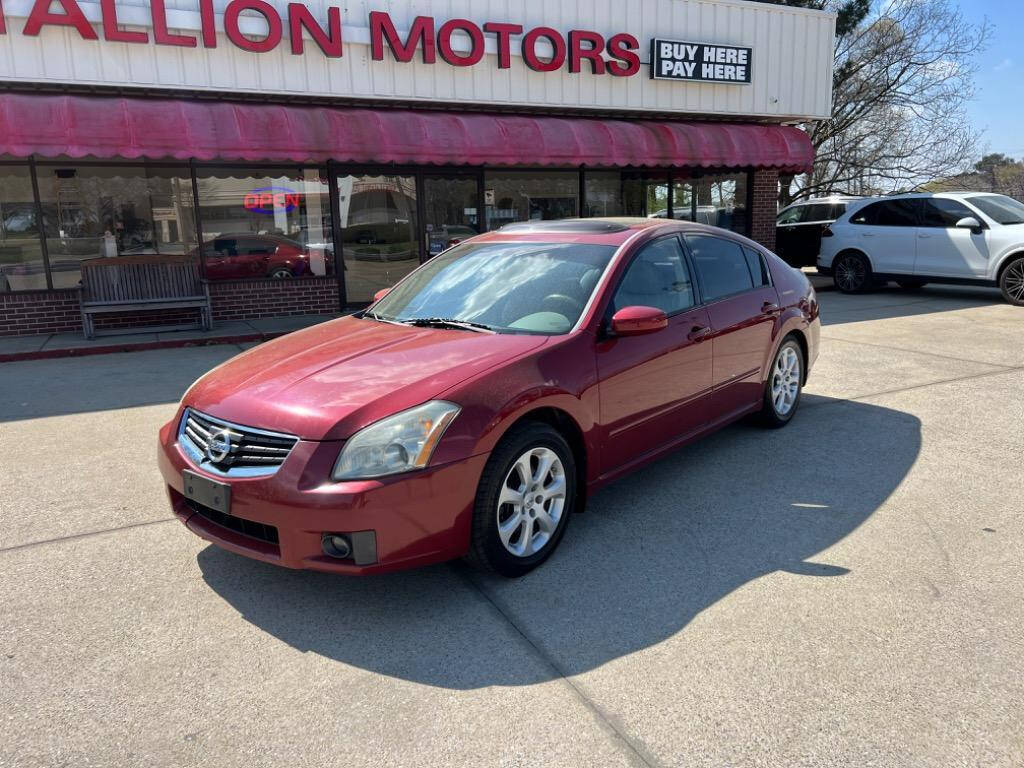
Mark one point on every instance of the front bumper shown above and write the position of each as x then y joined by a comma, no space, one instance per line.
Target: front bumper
417,518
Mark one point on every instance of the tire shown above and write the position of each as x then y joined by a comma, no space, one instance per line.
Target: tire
281,273
851,273
785,385
514,536
1011,282
911,285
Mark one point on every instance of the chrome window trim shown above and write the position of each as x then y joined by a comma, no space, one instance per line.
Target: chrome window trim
198,458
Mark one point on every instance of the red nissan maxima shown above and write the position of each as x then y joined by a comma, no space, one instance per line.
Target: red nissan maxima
471,409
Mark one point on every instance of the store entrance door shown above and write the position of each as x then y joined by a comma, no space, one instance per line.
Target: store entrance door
449,211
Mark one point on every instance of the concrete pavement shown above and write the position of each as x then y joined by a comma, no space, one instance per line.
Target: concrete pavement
842,592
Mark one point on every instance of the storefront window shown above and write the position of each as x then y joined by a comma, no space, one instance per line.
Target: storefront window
94,212
265,224
530,196
722,201
450,204
645,194
603,193
379,231
21,254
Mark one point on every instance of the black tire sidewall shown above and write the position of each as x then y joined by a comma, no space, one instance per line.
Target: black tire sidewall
868,278
487,549
1002,284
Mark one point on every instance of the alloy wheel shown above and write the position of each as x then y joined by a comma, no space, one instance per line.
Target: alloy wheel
531,502
851,274
786,376
1013,281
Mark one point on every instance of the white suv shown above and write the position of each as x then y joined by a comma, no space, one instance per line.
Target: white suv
971,238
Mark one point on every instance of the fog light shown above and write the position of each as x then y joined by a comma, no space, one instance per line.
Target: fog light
336,545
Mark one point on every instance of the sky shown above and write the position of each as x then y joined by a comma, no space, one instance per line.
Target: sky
999,108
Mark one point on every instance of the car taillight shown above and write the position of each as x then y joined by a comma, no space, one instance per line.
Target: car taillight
827,231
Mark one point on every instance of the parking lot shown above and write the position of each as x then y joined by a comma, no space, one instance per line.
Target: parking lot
846,591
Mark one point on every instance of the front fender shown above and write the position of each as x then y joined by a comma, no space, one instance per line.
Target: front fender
492,402
998,264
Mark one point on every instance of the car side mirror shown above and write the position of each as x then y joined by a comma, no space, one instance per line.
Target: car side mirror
637,321
971,223
381,294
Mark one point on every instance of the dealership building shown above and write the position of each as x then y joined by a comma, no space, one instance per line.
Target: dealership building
305,155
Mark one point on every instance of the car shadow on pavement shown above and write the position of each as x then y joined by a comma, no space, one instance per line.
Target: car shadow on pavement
652,552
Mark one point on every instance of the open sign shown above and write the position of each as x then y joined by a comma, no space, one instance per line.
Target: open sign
270,200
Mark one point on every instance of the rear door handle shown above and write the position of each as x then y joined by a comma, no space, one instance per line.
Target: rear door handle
698,332
924,237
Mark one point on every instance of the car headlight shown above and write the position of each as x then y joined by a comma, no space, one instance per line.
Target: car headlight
399,443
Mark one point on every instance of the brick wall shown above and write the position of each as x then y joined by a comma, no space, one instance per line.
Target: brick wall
765,207
39,312
251,299
36,312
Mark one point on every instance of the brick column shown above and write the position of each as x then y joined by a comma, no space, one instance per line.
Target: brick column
765,202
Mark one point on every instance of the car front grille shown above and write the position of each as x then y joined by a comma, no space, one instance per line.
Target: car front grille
259,531
231,449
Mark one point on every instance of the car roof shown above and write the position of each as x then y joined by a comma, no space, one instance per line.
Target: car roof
613,231
829,199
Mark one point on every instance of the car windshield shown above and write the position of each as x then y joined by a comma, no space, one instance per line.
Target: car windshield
514,287
999,208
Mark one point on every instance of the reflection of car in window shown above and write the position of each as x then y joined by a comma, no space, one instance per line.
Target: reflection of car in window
231,256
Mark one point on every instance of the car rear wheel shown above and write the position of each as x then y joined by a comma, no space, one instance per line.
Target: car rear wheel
1011,283
785,385
851,273
526,495
281,273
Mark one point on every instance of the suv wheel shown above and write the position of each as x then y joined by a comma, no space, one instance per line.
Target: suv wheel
526,495
1011,283
851,273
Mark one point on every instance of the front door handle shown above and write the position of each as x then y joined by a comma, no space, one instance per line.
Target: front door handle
768,307
698,332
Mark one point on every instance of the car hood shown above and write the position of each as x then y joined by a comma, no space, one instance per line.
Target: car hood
329,381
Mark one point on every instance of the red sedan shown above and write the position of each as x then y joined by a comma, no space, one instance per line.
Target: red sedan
472,408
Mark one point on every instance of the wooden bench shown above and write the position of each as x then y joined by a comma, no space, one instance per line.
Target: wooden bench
142,284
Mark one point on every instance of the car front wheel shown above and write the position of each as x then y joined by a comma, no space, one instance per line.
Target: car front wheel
1011,283
526,495
851,273
784,387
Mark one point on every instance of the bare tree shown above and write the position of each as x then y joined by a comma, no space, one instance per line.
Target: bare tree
904,73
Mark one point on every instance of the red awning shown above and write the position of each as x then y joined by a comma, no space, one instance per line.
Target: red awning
112,127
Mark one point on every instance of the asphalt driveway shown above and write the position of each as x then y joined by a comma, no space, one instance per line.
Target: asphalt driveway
846,591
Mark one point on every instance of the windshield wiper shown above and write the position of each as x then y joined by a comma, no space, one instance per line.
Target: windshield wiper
448,322
381,319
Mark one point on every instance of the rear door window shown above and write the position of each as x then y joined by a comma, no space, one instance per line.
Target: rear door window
721,264
819,212
897,213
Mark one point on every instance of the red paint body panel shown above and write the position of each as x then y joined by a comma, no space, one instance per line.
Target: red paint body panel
625,400
51,125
